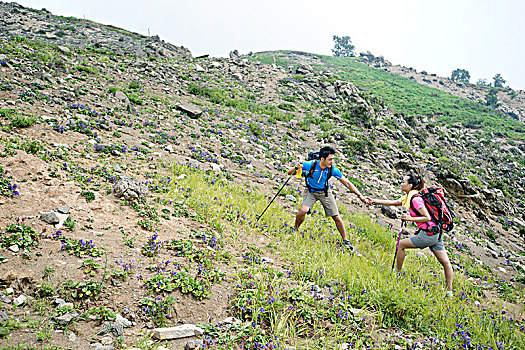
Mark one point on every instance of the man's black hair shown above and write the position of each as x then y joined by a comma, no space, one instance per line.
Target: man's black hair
325,152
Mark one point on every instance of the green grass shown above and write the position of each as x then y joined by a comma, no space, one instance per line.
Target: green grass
22,121
405,96
414,302
86,69
221,97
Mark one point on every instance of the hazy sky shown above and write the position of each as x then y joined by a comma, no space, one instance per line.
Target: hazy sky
483,36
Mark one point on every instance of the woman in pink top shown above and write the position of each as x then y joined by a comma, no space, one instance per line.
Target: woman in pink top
424,237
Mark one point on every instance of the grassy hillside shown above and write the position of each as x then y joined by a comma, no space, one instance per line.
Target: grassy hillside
211,139
405,96
283,305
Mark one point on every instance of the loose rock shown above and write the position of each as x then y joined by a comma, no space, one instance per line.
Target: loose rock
130,188
389,212
65,319
123,321
63,210
291,198
186,330
50,218
193,344
191,110
20,300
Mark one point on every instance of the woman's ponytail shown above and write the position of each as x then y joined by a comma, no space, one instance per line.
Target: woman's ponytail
416,181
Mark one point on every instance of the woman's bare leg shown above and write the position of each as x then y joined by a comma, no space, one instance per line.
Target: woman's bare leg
403,244
443,259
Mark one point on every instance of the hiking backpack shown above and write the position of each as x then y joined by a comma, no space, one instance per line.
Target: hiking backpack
314,155
437,207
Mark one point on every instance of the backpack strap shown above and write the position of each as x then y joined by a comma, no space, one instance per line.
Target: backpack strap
412,205
310,174
417,211
330,170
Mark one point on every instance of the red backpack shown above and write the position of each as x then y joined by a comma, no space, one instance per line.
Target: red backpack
437,207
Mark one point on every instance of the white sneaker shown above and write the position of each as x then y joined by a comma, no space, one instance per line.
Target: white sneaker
348,245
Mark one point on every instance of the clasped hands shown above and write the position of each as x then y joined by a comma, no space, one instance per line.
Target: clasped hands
366,200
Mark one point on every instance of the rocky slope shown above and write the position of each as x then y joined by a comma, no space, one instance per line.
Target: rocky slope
85,107
55,30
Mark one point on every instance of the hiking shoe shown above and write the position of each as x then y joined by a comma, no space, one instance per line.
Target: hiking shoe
347,244
449,294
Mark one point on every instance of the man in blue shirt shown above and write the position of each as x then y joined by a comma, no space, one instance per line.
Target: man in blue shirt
317,189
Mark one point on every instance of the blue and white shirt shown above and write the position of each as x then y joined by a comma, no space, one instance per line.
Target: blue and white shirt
318,179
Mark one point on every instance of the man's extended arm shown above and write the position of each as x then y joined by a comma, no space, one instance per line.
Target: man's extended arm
354,189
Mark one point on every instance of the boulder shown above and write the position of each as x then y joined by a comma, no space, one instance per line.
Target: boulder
216,65
123,321
480,214
234,54
338,136
121,97
20,300
330,92
493,247
453,186
67,96
130,188
63,210
117,330
468,187
216,168
232,320
357,312
199,68
50,218
191,110
64,49
304,69
389,211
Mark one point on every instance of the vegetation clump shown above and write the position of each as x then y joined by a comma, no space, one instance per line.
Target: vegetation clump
22,235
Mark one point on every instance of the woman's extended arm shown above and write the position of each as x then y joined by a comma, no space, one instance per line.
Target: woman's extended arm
395,202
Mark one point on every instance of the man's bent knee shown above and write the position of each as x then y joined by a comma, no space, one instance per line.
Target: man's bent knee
303,211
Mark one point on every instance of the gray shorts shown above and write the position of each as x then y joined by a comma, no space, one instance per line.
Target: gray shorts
422,240
329,205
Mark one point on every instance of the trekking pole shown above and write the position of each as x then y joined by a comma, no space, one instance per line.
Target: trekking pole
264,211
397,245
